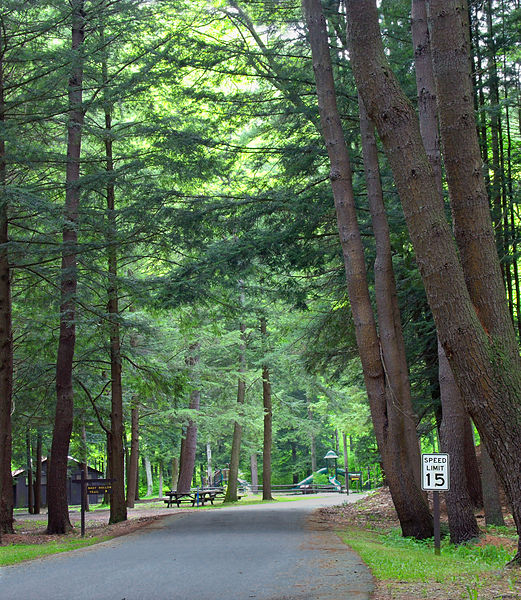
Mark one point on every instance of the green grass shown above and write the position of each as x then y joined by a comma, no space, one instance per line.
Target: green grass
405,559
10,555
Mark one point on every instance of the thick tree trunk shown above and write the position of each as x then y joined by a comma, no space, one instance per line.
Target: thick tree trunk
268,419
231,490
410,504
462,521
471,466
402,421
38,478
491,502
485,364
134,457
189,444
58,514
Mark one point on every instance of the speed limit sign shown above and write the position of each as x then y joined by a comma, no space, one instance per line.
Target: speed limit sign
435,472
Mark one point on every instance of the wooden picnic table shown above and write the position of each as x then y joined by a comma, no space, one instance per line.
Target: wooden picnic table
192,496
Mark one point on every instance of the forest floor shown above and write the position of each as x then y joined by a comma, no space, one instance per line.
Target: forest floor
376,514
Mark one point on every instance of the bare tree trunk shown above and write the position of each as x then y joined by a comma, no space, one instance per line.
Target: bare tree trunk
268,420
491,502
160,476
209,469
189,444
38,479
485,363
231,490
175,472
402,421
6,336
462,522
346,464
29,462
313,447
411,506
58,513
118,507
84,465
471,466
134,457
148,472
254,473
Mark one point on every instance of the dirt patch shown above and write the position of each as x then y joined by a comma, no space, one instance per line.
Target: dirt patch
30,529
376,513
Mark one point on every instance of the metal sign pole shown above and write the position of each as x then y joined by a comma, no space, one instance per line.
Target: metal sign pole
83,494
436,510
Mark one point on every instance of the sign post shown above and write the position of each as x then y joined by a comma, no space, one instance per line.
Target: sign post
91,486
436,478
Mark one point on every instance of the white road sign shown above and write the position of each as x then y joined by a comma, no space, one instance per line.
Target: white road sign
435,472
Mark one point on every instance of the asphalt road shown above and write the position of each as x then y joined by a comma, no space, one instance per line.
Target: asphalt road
266,552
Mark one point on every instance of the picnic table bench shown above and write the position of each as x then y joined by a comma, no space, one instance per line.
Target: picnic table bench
192,497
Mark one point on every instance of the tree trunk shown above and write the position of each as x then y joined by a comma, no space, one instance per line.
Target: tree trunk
254,473
313,447
268,420
84,465
189,444
346,463
402,421
148,472
29,462
38,478
471,466
134,457
454,426
6,336
175,472
411,506
58,513
160,477
209,469
491,501
485,364
231,490
462,522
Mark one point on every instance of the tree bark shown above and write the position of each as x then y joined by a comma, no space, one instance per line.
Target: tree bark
84,465
346,463
491,502
485,364
118,507
471,466
231,490
189,444
254,473
313,447
148,472
58,514
410,504
29,462
160,477
209,468
268,420
134,457
6,336
462,521
38,478
175,472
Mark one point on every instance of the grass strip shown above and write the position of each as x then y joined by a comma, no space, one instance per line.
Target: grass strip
391,557
13,554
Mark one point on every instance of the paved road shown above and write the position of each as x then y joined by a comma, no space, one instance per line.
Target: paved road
266,552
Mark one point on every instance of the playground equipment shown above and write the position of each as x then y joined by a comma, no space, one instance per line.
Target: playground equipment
332,479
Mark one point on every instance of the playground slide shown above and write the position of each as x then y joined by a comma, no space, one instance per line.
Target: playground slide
335,482
332,480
